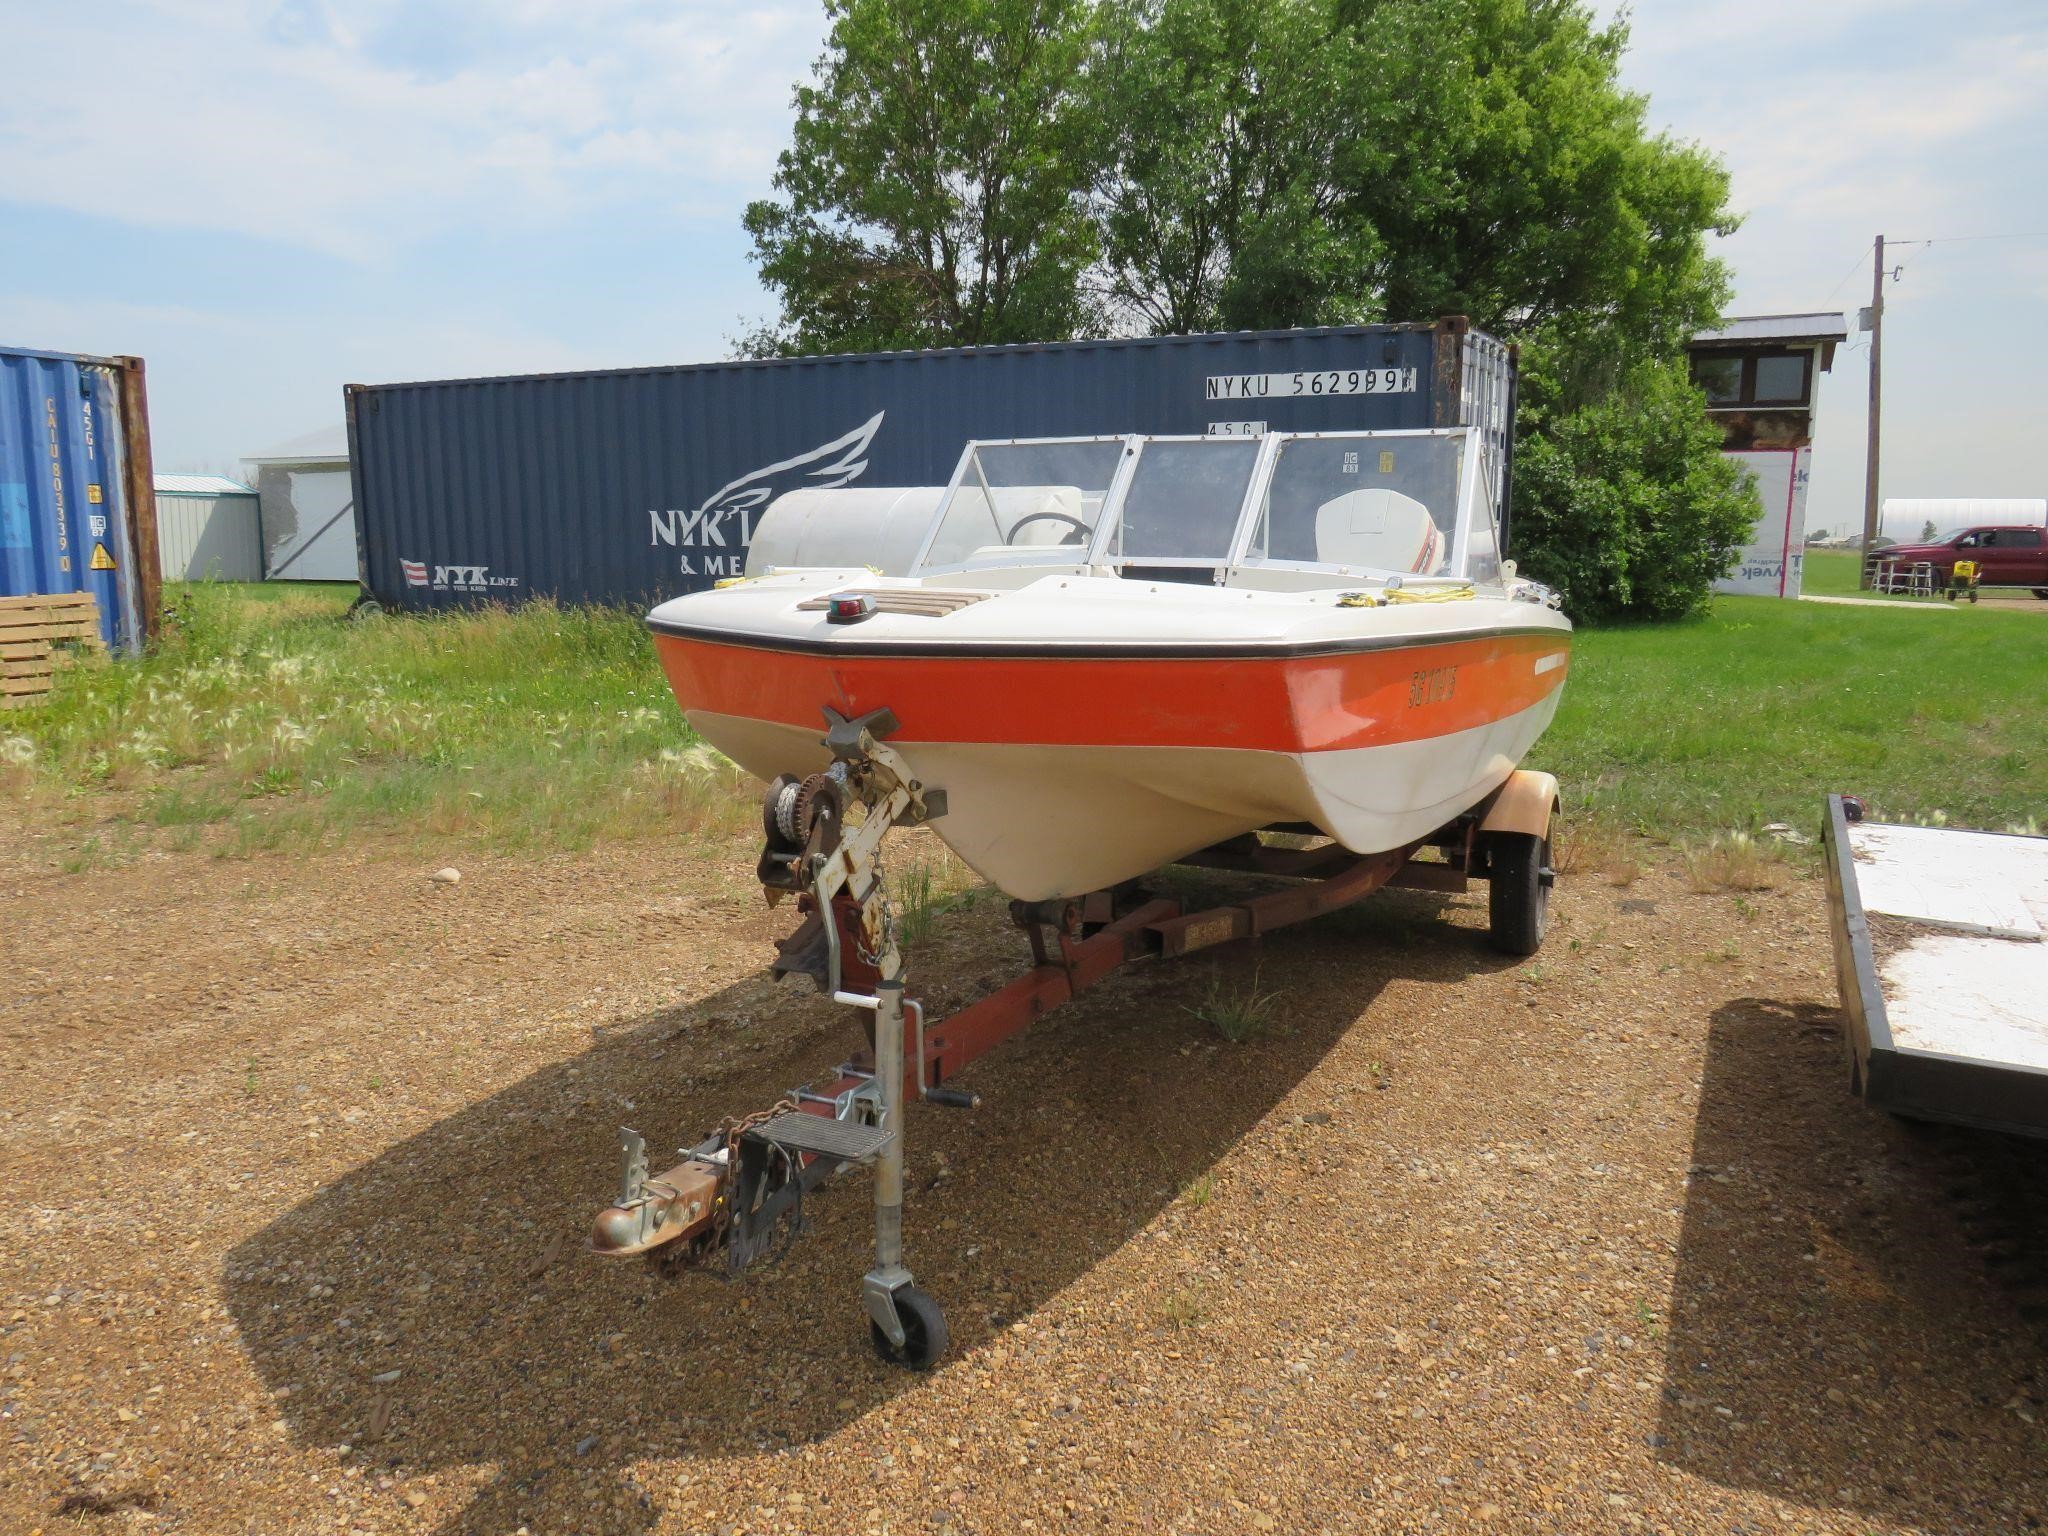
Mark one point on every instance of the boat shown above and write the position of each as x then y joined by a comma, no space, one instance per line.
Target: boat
1077,661
1113,652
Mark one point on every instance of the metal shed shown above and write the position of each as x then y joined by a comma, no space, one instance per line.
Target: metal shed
637,484
308,508
208,529
77,508
1905,517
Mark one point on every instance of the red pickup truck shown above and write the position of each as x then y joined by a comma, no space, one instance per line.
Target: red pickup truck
2007,555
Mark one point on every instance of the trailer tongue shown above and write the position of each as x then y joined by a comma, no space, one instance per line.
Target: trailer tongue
737,1196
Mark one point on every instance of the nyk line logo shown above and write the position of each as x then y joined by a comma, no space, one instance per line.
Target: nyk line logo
454,578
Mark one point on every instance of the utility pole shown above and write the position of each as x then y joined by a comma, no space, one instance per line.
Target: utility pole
1870,501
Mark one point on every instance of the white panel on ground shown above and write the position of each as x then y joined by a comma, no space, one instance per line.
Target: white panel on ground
1967,996
1973,882
1974,982
323,546
1771,563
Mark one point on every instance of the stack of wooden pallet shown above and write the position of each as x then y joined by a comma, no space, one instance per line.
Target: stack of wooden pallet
31,630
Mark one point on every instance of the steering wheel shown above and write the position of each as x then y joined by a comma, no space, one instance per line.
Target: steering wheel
1062,517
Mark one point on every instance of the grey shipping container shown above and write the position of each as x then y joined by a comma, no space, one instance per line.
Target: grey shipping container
638,484
77,508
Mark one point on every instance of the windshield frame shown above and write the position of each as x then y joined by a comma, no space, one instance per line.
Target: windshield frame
1473,501
1113,508
1023,555
1242,557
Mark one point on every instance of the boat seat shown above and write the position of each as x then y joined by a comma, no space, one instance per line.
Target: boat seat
1382,529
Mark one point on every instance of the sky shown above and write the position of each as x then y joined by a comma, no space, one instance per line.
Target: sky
269,200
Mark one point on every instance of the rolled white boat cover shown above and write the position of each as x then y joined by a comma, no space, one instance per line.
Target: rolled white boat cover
881,526
877,525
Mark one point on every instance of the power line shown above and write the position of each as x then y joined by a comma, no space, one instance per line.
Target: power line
1854,267
1857,265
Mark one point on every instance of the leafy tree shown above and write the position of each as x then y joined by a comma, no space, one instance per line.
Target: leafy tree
1011,170
1529,193
1308,161
1927,532
933,192
1626,503
1222,126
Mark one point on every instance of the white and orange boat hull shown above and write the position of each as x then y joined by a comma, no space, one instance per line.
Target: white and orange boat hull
1071,769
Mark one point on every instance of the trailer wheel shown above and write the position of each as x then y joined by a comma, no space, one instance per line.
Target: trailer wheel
1517,891
924,1331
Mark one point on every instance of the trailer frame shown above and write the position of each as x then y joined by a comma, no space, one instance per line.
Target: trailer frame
738,1196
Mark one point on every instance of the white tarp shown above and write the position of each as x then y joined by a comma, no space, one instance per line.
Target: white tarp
319,543
1770,563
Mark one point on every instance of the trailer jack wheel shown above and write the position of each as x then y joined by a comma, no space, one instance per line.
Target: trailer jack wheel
924,1330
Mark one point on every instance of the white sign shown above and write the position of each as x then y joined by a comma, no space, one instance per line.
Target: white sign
1333,381
1237,429
1771,562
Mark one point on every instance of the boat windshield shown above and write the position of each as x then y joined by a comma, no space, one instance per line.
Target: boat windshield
1041,498
1384,503
1183,500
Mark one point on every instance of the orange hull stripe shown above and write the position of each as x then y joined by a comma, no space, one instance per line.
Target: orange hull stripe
1282,704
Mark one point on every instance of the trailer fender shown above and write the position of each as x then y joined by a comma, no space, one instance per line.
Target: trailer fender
1524,804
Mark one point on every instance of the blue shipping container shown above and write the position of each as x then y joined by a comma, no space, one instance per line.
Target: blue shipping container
69,521
638,484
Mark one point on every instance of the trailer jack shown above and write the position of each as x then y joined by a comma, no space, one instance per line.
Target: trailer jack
737,1196
741,1190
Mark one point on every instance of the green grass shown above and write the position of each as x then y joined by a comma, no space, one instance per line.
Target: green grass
307,597
267,720
1832,573
1836,572
271,714
925,888
1239,1011
1753,713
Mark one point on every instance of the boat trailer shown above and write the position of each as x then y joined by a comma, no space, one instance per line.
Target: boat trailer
737,1196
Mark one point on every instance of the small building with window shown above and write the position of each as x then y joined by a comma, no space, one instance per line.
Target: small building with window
1761,374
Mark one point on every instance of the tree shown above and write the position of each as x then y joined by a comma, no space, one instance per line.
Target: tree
1927,532
1532,196
1404,159
1018,170
1626,504
1221,125
933,194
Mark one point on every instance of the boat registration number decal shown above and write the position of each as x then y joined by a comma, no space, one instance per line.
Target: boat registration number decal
1331,381
1435,685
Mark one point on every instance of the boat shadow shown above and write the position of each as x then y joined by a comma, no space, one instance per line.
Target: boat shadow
529,1370
1848,1326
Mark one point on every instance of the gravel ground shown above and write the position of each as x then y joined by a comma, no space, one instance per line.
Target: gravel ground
297,1157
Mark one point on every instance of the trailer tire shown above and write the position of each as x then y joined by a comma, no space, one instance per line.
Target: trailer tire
924,1331
1517,891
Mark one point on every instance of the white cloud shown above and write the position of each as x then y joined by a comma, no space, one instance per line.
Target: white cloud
390,123
1842,119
